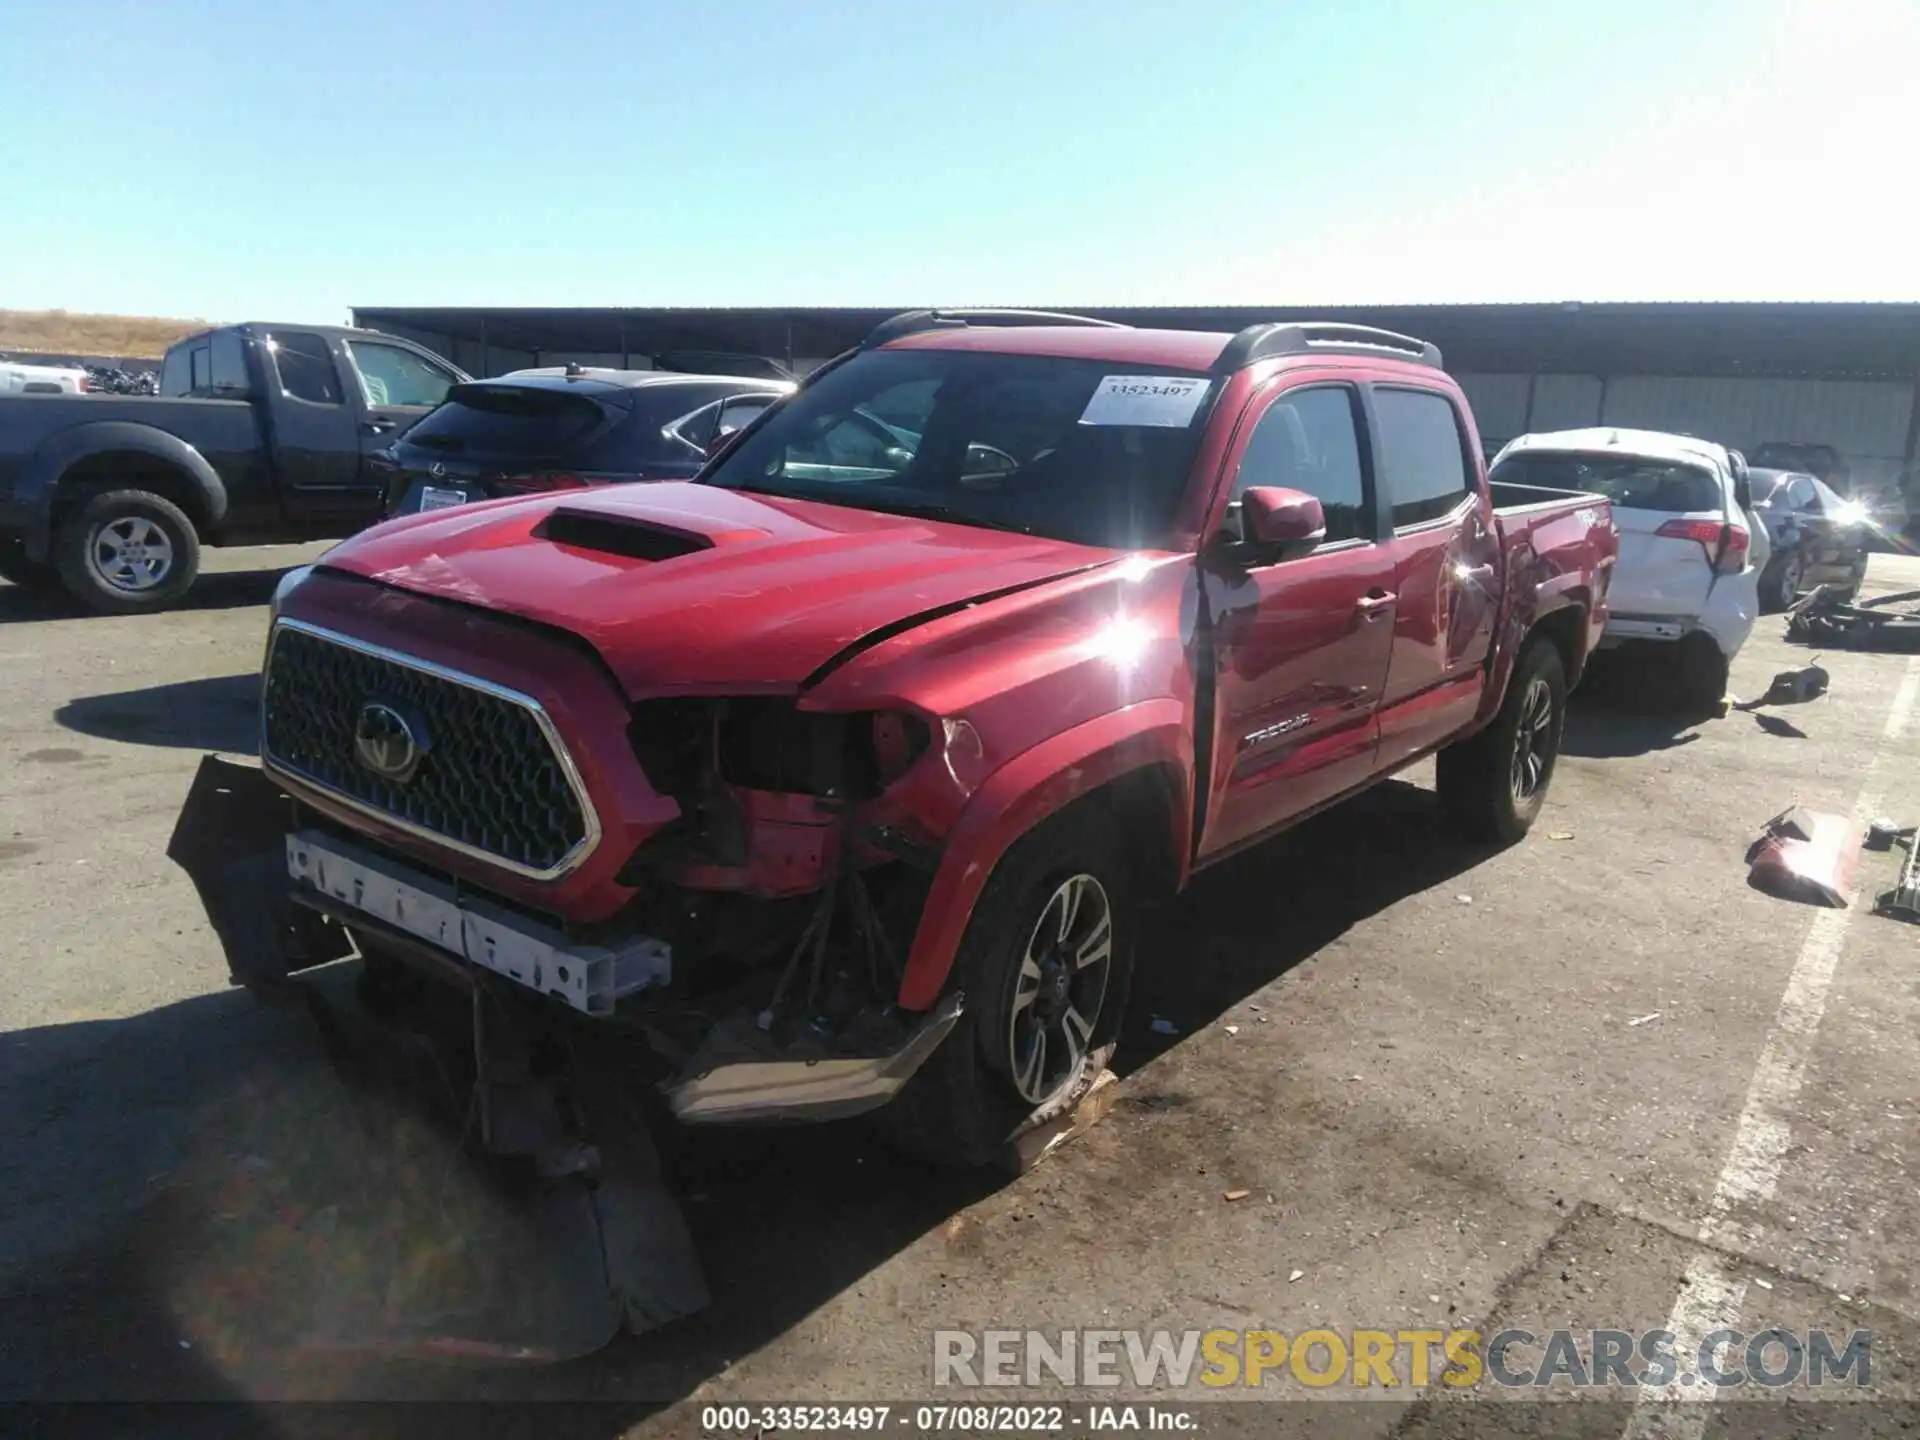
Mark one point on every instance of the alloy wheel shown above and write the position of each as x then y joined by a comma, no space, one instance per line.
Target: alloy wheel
1532,742
131,554
1064,969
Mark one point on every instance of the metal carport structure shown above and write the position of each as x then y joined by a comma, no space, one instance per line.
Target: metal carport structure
1847,374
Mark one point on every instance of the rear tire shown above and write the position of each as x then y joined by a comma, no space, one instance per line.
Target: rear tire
126,552
1780,583
1700,674
1494,784
1016,970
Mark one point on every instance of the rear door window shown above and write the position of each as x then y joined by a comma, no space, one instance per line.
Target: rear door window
508,421
740,411
229,365
176,371
305,366
1823,499
692,416
1630,482
1423,455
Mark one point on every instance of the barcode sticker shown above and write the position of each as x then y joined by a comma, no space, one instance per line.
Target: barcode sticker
1162,400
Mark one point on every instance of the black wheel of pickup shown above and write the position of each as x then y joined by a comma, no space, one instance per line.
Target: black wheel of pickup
1495,783
1045,965
126,552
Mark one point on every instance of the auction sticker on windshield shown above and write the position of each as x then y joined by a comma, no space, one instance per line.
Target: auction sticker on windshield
1162,400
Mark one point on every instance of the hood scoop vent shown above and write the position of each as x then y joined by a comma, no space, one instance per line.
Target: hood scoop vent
619,535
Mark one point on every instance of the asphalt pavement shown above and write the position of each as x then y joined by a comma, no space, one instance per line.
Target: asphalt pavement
1594,1081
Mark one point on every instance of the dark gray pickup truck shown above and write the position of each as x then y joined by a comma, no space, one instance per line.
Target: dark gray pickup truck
261,434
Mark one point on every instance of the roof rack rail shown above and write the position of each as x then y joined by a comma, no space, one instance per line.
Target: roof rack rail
912,322
1315,337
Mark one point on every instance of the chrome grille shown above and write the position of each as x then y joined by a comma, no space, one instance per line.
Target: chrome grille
492,778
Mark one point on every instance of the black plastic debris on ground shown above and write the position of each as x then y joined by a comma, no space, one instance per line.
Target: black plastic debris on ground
1792,687
1825,617
1902,902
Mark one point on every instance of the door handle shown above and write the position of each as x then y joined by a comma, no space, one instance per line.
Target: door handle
1375,603
380,426
1476,574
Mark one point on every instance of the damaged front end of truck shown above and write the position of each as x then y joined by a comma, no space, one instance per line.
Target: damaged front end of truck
773,1000
707,848
736,950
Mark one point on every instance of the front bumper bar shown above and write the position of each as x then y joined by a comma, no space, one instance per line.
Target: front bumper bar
284,899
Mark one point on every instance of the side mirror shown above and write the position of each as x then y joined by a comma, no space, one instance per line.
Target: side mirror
1281,522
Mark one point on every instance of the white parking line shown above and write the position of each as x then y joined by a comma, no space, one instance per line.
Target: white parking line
1710,1298
1903,703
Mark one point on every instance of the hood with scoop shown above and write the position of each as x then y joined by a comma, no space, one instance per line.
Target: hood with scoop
687,588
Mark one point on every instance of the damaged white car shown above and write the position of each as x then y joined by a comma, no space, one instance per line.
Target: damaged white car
1688,580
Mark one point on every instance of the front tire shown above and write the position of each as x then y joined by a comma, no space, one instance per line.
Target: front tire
127,552
1494,784
1045,965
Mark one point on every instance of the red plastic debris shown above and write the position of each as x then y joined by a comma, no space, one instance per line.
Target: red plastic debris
1805,855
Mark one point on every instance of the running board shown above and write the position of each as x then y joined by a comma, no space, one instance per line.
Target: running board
739,1076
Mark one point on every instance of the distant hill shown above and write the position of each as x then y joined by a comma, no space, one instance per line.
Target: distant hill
61,332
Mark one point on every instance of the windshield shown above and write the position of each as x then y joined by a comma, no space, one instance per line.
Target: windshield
1630,482
1089,451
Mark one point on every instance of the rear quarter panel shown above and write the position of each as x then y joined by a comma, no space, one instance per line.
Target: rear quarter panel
1556,555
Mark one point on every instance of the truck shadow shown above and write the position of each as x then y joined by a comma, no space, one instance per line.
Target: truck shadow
142,1153
216,713
1251,919
219,590
1625,706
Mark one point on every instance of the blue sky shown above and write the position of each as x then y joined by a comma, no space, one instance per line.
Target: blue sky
291,159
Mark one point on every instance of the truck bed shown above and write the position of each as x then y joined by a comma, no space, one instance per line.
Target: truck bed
1513,499
26,421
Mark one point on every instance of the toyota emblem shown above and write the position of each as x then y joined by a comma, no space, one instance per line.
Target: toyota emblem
387,743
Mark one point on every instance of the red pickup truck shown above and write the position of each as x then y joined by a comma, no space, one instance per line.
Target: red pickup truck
841,771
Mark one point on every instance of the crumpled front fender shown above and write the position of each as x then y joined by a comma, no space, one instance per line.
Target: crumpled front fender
1025,791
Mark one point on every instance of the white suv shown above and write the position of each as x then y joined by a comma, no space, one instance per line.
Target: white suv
1690,553
19,378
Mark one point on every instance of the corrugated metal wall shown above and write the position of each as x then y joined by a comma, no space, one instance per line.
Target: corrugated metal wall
596,360
1866,420
1499,404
